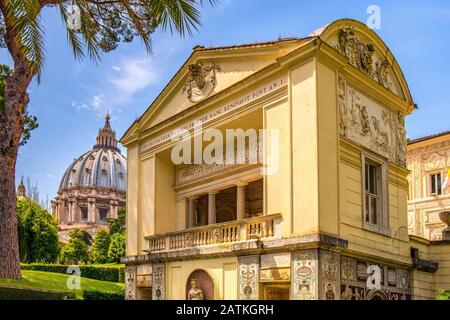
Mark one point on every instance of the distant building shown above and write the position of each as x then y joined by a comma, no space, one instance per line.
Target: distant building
428,159
93,186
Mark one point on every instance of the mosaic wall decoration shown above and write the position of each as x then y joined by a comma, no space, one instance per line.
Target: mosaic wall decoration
329,264
159,281
130,282
248,277
395,282
304,275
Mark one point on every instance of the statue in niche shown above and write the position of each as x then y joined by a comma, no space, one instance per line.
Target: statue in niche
401,140
342,107
195,293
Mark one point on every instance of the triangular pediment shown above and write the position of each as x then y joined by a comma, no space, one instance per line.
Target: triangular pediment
209,71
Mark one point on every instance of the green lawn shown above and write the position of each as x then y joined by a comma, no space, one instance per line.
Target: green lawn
58,282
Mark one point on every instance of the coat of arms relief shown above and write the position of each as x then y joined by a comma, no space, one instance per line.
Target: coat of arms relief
362,56
201,82
370,124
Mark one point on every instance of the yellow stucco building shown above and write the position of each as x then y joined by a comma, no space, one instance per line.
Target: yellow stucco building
321,215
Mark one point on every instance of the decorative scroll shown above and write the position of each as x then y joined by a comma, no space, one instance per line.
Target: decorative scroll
159,281
304,275
248,277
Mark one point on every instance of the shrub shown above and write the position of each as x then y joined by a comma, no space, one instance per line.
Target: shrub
75,251
11,293
445,295
102,295
112,274
116,247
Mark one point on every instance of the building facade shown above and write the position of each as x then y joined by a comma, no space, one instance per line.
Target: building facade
428,159
322,214
93,186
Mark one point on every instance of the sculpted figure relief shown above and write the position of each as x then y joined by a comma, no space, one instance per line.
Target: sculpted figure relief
195,293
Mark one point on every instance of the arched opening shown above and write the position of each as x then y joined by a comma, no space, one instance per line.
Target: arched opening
199,286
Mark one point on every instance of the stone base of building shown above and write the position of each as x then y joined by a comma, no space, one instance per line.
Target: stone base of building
310,274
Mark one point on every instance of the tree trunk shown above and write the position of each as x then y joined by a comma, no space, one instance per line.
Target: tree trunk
11,129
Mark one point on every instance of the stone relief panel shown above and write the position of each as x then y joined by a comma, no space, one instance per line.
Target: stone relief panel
275,267
435,161
395,282
201,81
248,277
363,56
373,126
130,282
304,275
159,281
330,275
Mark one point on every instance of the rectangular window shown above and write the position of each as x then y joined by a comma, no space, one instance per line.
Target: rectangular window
84,213
436,184
373,192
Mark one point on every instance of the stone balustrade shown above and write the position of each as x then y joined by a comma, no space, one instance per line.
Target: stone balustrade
227,232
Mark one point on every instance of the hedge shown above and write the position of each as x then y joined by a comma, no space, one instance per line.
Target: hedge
112,274
13,293
102,295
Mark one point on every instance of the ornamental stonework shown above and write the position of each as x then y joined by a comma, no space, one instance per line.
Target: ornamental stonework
330,277
159,281
395,282
371,125
248,277
201,82
304,275
130,282
363,56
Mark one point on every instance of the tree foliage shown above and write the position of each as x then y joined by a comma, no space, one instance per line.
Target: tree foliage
30,122
100,247
38,233
117,247
104,24
77,250
118,225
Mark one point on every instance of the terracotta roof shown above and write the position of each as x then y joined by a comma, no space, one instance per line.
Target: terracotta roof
248,45
428,137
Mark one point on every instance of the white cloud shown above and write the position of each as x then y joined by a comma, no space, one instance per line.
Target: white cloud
116,68
135,75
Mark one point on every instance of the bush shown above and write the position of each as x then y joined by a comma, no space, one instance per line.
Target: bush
116,247
75,251
112,274
11,293
445,295
102,295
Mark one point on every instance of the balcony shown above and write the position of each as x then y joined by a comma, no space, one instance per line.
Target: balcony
262,227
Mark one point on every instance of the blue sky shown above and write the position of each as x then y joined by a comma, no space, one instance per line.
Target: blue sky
73,97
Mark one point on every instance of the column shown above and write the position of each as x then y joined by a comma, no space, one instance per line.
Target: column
212,207
241,201
192,207
91,213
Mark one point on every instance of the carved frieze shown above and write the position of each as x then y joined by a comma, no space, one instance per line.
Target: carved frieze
248,277
201,82
366,122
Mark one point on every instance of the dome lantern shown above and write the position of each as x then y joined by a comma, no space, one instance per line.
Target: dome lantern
106,137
